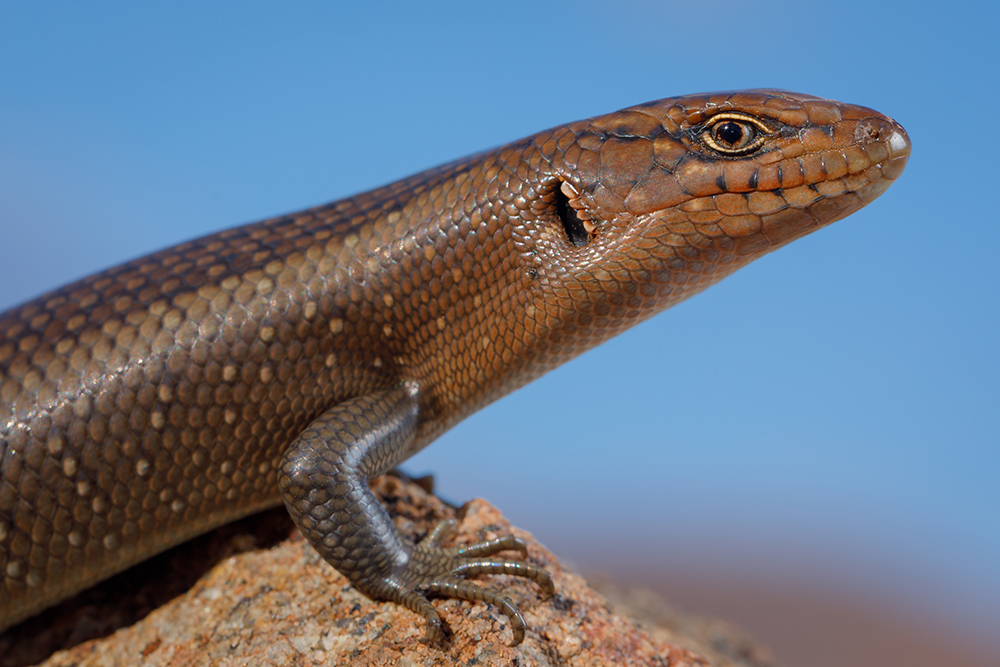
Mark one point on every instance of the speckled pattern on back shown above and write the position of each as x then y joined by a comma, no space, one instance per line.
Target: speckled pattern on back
151,402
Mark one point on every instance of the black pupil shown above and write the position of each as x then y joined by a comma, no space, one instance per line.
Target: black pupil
730,133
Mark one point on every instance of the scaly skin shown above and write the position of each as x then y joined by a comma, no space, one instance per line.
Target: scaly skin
296,358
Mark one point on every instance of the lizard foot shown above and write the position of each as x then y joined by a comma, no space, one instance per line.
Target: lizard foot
440,571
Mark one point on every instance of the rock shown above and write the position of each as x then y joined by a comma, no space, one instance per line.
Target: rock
256,593
721,643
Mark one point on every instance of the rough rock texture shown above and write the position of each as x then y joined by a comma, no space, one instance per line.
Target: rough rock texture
256,593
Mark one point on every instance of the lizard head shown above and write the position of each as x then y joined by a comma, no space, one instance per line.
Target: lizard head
639,209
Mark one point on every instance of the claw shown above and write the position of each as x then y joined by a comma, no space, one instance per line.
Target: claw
422,606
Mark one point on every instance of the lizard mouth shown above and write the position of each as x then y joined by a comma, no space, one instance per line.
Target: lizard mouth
879,156
886,145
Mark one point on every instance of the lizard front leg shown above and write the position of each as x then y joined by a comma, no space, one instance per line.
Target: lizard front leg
324,482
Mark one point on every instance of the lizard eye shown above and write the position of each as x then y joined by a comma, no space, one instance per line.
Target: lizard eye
734,133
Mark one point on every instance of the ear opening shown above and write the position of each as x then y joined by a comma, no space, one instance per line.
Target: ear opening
576,228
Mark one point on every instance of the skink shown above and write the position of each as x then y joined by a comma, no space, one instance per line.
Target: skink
294,359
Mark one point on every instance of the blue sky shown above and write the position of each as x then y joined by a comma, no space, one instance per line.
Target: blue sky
826,417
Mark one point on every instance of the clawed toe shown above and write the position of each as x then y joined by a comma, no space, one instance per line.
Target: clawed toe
441,571
490,547
514,568
465,590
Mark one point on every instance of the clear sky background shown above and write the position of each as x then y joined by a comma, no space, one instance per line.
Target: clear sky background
826,419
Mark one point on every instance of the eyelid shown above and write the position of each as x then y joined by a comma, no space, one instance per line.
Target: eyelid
763,131
735,115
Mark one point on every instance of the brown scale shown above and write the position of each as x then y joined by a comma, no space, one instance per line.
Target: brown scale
296,358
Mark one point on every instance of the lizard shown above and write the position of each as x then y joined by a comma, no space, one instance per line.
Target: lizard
292,360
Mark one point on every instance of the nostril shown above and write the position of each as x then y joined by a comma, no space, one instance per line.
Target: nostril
868,131
884,131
